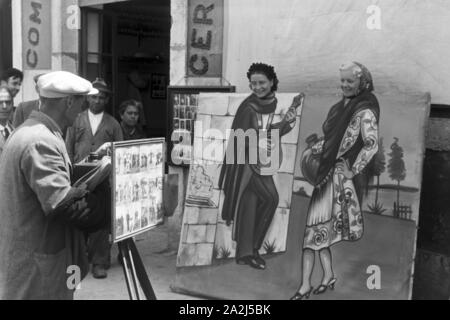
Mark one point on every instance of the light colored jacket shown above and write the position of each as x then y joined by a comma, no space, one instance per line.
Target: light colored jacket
36,248
23,111
79,140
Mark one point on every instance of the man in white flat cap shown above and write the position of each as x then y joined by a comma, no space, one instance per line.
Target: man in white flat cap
42,246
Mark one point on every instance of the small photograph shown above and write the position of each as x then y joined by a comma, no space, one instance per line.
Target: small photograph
159,212
182,113
119,162
129,220
188,113
176,124
152,188
137,220
119,193
136,191
176,99
151,160
183,124
182,99
144,161
144,188
135,159
189,125
193,100
145,219
120,221
128,192
176,111
159,159
159,184
152,213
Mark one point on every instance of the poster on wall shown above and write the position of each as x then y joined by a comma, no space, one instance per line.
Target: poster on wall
205,38
183,107
352,238
137,189
159,86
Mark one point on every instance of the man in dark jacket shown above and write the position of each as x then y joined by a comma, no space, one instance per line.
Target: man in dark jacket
91,130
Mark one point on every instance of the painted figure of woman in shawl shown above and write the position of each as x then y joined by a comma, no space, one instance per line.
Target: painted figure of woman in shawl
350,141
251,197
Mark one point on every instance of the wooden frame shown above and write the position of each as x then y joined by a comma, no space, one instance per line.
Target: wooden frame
137,187
182,112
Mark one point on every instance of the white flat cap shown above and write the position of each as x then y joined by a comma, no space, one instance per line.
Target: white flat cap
60,84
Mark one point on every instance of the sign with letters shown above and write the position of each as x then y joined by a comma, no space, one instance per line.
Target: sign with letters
205,38
36,34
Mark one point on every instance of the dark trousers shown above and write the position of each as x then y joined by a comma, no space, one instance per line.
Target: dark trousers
99,247
257,207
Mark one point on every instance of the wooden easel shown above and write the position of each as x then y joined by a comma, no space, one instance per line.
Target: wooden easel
134,271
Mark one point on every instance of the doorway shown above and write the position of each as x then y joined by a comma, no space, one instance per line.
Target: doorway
6,35
128,44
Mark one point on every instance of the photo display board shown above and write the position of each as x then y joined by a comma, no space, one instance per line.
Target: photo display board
183,107
137,190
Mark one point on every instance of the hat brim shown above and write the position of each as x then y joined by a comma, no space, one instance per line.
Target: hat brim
107,91
93,92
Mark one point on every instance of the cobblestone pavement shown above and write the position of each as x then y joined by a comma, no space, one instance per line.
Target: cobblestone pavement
159,259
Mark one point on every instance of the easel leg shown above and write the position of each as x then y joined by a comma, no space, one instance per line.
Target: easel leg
123,253
133,270
141,272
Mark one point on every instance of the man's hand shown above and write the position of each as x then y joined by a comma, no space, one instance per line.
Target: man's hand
104,150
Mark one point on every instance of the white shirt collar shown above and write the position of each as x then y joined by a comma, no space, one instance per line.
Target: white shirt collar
7,125
95,120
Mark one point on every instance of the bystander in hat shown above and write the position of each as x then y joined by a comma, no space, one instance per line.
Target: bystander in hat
101,86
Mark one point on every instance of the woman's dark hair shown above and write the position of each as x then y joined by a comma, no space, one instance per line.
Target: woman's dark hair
266,70
124,105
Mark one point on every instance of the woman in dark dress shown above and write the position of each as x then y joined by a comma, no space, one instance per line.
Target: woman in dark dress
346,150
129,115
251,197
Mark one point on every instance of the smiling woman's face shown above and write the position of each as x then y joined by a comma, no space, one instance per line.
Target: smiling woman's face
349,83
260,85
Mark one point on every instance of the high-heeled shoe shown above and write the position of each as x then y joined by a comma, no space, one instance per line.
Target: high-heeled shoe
299,296
323,287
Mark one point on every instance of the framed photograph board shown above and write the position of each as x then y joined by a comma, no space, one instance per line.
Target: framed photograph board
137,187
159,86
182,114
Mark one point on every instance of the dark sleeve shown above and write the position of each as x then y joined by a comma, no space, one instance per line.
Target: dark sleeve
117,129
18,116
70,142
81,209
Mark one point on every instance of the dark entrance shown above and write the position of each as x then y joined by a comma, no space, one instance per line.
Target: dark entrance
128,44
5,35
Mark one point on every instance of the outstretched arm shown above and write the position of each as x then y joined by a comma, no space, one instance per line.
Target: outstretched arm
369,133
363,122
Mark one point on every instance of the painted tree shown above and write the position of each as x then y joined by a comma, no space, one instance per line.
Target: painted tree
396,166
379,166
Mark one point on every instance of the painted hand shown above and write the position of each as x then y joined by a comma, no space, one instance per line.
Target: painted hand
298,99
290,115
342,167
